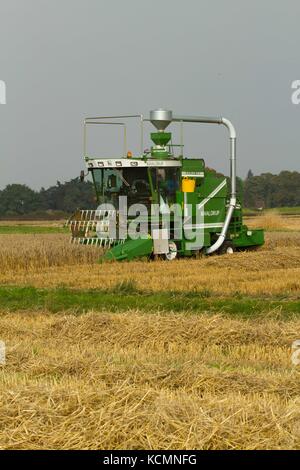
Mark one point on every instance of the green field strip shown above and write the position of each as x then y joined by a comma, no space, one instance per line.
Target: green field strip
13,298
30,229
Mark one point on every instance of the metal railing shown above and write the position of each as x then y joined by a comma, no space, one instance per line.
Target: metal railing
100,120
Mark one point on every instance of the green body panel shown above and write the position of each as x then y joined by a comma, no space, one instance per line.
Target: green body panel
193,165
160,139
213,211
129,249
211,194
183,245
249,238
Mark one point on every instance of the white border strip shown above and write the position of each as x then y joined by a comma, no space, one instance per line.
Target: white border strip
195,174
130,163
212,225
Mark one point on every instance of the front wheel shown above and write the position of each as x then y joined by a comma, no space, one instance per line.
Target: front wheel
172,254
227,248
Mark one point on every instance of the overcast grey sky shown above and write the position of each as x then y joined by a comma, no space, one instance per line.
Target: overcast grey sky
63,60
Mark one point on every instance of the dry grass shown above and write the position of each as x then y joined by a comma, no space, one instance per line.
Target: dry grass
103,381
39,251
60,223
134,380
31,252
273,221
45,260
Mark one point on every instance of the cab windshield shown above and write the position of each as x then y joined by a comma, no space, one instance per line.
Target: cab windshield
140,185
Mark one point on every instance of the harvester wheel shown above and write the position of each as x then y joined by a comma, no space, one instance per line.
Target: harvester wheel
172,251
227,248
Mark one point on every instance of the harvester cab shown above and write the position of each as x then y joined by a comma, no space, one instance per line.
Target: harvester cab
161,202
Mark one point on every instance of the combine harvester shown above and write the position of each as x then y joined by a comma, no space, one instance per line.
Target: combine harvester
157,178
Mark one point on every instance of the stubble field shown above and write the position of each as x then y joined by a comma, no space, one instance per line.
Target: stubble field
188,354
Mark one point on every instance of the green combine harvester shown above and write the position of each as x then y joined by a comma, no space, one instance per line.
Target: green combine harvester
161,203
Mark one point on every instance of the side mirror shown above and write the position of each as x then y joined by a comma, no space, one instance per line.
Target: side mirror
81,177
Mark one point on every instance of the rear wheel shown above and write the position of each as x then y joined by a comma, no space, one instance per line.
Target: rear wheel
227,248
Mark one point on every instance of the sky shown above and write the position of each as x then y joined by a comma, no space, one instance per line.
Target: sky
63,60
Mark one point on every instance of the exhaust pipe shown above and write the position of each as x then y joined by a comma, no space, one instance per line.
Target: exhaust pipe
232,202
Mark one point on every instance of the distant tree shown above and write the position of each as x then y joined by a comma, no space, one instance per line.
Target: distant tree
69,196
19,199
249,175
268,190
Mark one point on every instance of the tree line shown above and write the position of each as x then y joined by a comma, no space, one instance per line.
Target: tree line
62,198
263,191
268,190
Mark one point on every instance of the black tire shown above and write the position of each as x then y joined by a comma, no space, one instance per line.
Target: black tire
172,253
226,248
